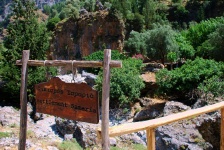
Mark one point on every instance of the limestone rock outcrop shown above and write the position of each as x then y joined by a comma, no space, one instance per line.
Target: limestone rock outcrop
77,38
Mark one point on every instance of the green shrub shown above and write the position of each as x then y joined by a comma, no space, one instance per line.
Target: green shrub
98,56
4,134
136,43
198,33
139,147
70,145
125,82
52,23
186,79
23,33
213,85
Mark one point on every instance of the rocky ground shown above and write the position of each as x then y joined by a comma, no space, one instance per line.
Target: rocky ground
47,132
40,135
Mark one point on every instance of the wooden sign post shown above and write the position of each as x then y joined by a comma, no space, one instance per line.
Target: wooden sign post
69,100
23,101
106,100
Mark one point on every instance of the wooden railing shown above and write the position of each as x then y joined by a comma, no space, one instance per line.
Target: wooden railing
151,125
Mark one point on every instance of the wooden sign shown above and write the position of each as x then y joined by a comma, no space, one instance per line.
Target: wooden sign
67,100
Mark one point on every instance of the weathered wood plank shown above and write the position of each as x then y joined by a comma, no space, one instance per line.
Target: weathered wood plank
23,101
105,100
222,130
94,64
151,142
154,123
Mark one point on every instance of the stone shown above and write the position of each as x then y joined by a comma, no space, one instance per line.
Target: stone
150,112
76,38
113,142
89,78
65,126
172,107
85,134
68,137
209,127
186,134
134,138
9,116
52,148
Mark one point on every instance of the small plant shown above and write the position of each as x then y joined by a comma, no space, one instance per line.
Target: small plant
139,147
70,145
125,110
115,148
125,84
30,134
14,125
4,134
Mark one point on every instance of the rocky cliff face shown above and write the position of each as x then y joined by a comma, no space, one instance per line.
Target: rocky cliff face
75,39
6,4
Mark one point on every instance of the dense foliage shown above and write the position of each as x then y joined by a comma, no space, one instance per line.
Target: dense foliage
24,33
99,55
125,82
185,80
198,33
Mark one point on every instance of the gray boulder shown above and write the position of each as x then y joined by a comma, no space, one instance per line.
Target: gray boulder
173,107
65,126
9,116
151,112
182,134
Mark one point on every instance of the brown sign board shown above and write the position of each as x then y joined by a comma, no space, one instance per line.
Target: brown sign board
67,100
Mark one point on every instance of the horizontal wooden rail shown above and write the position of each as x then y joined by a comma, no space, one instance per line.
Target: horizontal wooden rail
113,63
154,123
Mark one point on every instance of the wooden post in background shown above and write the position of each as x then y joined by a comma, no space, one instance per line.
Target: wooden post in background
105,100
23,101
222,130
151,143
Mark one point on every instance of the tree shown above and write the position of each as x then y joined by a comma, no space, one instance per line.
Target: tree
161,42
172,57
216,40
89,5
23,33
52,23
71,9
135,22
198,33
154,12
136,43
185,48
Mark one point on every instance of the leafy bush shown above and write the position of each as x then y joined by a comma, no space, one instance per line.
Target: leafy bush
186,49
136,43
70,145
23,33
125,83
186,79
213,85
198,33
98,56
4,134
52,23
213,48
